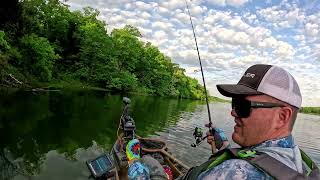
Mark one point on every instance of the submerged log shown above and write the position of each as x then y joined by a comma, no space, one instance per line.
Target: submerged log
44,89
16,80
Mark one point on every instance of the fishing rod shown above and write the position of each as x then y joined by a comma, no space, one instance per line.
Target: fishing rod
199,58
198,131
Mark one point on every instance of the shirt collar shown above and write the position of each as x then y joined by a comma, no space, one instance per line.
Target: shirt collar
285,142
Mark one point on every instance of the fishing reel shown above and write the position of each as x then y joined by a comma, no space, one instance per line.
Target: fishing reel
198,136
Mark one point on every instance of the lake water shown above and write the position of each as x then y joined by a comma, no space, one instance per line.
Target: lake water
50,135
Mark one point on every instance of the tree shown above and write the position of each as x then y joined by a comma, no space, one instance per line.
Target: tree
38,56
127,48
95,53
53,42
10,16
4,47
124,81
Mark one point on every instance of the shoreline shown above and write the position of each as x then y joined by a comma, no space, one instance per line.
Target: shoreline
79,86
310,110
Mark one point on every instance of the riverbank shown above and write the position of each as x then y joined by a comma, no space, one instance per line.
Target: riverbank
310,110
77,85
216,99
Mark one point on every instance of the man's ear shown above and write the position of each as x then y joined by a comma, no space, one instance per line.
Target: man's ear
285,115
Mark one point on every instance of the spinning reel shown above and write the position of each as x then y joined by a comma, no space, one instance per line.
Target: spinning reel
197,134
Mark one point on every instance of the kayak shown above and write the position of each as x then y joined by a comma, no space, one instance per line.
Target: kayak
114,165
157,148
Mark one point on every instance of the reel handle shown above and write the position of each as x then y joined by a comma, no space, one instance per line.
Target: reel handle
213,148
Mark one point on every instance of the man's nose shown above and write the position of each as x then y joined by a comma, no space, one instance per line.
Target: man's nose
233,113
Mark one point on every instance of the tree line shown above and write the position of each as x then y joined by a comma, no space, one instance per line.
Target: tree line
43,42
310,110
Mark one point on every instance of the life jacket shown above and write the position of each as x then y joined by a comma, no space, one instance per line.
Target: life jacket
262,161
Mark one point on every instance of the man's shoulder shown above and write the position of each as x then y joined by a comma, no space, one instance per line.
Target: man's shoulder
234,169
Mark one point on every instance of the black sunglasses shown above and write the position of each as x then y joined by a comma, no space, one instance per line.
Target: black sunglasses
243,107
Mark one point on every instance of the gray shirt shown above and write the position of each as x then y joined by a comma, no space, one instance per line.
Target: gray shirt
282,149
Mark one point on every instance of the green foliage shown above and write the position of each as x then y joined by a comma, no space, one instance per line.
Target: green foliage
4,45
8,55
9,17
132,30
53,43
38,56
124,81
127,49
310,110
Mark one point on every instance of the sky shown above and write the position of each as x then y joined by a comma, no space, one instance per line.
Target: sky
232,35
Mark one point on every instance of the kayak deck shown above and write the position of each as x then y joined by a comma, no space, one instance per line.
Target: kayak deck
160,154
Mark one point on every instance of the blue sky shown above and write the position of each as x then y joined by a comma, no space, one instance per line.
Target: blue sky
232,35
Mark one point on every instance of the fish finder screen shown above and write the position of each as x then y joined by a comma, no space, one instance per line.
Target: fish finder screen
100,165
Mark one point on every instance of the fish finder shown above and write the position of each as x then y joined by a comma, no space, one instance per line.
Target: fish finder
100,167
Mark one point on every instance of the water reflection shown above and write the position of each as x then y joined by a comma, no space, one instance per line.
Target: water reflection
34,125
51,135
306,133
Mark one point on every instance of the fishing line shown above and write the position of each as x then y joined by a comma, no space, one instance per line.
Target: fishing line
204,83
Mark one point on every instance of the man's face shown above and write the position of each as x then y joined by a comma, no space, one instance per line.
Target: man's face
256,128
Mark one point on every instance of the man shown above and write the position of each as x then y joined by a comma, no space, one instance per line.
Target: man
265,104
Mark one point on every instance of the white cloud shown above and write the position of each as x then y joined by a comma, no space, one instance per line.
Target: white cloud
127,14
221,55
191,70
258,32
173,4
197,10
231,36
160,35
237,23
235,3
163,10
283,18
312,29
189,56
217,2
228,41
284,50
184,18
251,18
145,32
116,19
272,14
145,15
161,25
143,6
251,58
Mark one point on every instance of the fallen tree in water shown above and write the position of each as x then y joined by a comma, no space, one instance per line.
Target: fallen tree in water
10,80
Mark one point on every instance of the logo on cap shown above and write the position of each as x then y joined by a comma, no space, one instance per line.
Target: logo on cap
249,75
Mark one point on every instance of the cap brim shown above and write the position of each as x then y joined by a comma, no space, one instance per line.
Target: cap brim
236,90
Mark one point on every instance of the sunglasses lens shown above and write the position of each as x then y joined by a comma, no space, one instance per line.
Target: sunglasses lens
242,107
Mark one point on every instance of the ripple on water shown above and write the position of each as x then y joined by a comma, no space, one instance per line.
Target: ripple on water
179,136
